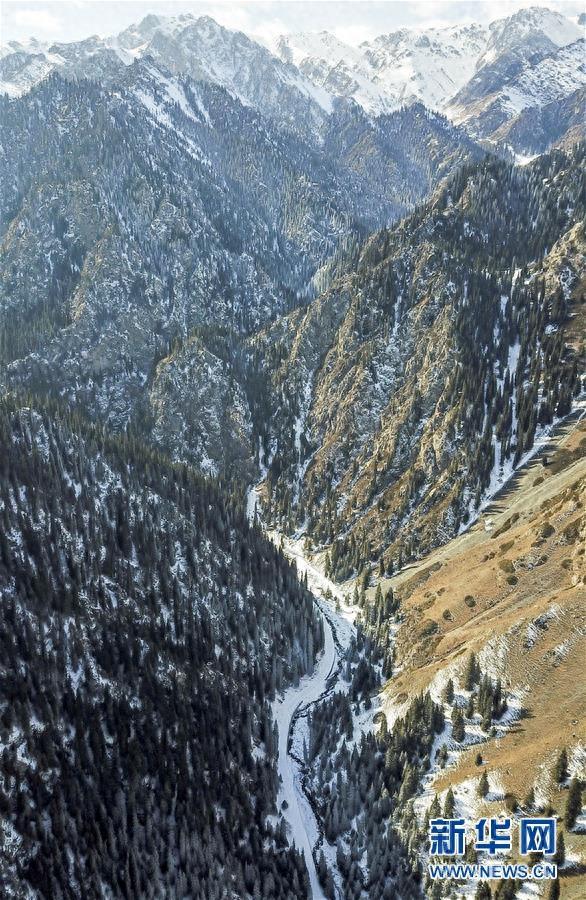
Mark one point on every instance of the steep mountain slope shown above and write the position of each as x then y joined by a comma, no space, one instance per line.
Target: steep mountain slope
406,66
401,156
426,66
22,66
152,227
139,221
551,78
512,592
526,37
144,626
206,51
558,124
410,389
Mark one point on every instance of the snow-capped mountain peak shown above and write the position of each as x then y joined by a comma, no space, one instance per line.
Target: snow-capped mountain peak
535,28
394,69
457,70
185,45
295,48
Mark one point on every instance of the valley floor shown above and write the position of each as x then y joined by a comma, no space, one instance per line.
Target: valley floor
338,616
290,709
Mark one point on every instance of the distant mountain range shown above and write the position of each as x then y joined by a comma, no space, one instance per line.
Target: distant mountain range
481,76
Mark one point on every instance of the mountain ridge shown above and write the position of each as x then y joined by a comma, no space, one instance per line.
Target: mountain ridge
138,223
378,421
295,79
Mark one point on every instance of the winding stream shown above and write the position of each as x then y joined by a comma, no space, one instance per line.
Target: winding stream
291,708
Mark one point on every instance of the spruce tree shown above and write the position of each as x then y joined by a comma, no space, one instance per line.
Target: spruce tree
458,730
553,891
482,789
560,770
470,673
449,804
559,856
573,803
448,691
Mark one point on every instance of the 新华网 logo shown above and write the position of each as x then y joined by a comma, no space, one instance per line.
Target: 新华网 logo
448,838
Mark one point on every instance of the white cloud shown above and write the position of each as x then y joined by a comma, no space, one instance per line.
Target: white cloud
351,21
40,22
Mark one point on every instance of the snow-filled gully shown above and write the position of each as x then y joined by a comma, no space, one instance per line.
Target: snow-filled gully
290,709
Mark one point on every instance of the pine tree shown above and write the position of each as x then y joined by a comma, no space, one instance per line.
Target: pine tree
483,786
560,770
573,803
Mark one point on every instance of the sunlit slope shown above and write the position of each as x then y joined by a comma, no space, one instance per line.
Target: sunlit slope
513,591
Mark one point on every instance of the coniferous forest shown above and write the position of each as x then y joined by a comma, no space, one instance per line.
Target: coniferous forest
145,629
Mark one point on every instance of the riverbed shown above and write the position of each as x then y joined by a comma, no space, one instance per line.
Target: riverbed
290,708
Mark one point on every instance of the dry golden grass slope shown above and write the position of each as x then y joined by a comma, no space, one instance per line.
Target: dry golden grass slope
513,590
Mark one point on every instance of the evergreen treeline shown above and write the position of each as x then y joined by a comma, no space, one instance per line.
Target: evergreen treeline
144,628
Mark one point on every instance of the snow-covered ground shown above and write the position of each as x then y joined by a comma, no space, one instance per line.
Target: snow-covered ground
252,499
298,813
338,618
343,611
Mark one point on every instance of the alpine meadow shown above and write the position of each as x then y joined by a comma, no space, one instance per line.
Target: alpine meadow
292,450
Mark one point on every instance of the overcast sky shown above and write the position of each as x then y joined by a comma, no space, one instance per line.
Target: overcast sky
67,20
